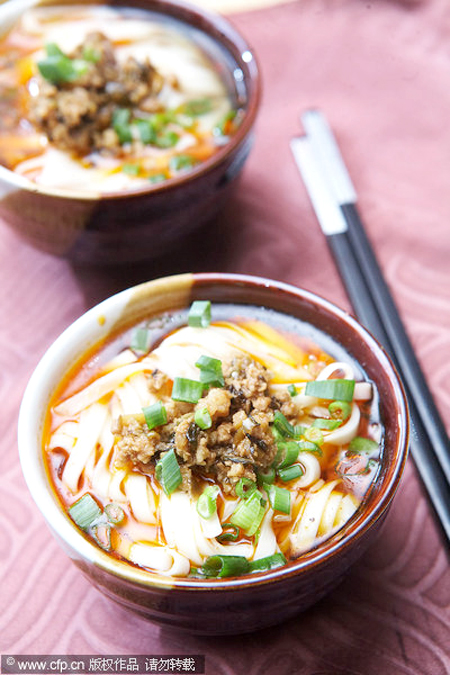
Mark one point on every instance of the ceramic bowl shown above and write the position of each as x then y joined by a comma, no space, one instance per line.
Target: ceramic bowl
143,223
229,605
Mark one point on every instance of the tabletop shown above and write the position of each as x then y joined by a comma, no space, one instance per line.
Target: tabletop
380,71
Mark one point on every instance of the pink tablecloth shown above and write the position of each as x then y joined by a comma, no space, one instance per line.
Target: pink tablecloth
381,73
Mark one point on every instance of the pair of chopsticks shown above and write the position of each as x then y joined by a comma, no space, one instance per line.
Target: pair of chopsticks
334,200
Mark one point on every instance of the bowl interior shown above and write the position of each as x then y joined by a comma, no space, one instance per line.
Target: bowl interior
133,305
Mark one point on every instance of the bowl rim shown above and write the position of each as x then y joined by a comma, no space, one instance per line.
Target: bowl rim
220,30
43,493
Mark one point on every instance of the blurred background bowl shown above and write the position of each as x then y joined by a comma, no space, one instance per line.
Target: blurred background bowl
227,605
143,223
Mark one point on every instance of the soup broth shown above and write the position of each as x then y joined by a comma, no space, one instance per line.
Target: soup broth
102,99
214,446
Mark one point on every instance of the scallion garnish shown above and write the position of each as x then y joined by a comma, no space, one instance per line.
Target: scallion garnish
340,410
146,130
141,340
365,446
131,169
58,68
102,535
284,427
223,128
292,389
206,503
266,476
168,472
157,178
84,511
244,488
288,454
279,498
270,562
327,424
155,415
290,472
121,125
313,435
249,513
335,390
184,389
229,532
202,418
200,314
225,566
210,371
114,513
309,446
197,107
167,139
180,162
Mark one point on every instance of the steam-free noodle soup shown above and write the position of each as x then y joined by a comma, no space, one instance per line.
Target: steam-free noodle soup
214,447
102,99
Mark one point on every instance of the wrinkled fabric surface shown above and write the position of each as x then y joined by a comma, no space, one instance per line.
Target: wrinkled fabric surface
380,71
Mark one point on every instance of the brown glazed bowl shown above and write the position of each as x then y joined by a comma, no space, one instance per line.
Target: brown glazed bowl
143,223
217,606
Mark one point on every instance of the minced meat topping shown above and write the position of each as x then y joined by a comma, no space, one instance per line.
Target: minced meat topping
237,445
77,113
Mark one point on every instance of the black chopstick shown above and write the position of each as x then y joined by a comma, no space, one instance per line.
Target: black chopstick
343,240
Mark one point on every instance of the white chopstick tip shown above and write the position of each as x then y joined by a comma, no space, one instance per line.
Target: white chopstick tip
328,155
328,212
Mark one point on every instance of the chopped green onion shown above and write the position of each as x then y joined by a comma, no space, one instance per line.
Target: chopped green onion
155,415
168,472
249,513
200,314
197,107
284,427
102,535
91,54
279,498
52,49
336,390
221,128
309,446
85,511
210,371
225,566
270,562
167,139
289,453
206,503
292,389
186,390
131,169
361,445
121,125
245,487
314,435
114,513
290,472
267,476
157,178
229,532
146,130
180,162
57,69
340,410
322,423
141,340
202,418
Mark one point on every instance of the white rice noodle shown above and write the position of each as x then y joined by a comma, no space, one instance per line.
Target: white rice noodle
311,467
183,530
347,431
92,421
267,543
363,391
306,526
65,436
211,526
102,387
134,394
141,498
161,559
332,368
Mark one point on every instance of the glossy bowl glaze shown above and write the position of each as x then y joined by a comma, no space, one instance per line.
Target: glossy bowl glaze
229,605
139,224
